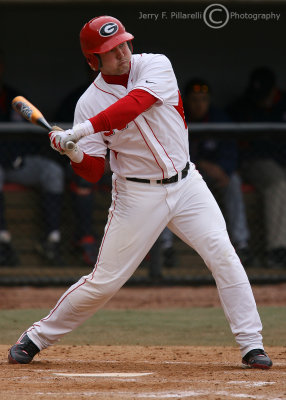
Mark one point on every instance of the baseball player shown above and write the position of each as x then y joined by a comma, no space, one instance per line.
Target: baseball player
134,108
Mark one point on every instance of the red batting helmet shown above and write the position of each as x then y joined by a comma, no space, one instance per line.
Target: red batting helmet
100,35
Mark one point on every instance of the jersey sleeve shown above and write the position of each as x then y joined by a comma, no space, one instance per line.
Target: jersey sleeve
92,145
156,76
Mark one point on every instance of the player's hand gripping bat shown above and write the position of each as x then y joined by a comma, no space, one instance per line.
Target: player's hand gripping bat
32,114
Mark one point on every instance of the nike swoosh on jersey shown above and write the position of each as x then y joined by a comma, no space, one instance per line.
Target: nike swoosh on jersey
150,82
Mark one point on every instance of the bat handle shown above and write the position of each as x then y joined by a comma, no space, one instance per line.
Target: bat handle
70,145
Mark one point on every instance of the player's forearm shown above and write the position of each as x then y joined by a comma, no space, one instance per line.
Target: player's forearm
125,110
90,168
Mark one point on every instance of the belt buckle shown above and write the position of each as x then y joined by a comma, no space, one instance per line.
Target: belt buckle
175,178
172,179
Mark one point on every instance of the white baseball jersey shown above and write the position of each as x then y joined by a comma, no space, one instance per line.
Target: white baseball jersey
155,144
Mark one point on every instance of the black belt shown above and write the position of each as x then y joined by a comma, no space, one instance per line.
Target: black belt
164,181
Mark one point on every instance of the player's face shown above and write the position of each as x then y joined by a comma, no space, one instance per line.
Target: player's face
198,105
116,61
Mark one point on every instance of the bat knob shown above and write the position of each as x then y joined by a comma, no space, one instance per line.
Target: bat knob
70,145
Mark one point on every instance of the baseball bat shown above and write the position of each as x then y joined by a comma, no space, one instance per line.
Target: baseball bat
33,115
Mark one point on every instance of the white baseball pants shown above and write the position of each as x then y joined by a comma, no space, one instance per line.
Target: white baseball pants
138,214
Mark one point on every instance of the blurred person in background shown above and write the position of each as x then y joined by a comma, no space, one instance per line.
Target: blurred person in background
19,163
264,159
82,190
217,161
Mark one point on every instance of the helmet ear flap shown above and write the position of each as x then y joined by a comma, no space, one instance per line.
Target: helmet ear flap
94,61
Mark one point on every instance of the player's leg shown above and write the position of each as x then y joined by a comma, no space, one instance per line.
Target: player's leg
198,221
137,216
8,255
46,174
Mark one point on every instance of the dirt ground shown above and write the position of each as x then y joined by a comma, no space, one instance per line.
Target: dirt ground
208,373
173,372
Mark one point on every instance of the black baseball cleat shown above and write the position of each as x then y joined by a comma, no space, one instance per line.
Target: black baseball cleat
256,358
23,351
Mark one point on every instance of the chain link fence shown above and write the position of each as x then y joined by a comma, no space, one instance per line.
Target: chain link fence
262,185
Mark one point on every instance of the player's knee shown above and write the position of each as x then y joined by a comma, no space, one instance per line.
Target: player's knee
105,290
92,295
109,291
217,251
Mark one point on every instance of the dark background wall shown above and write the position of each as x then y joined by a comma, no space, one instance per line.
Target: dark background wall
44,61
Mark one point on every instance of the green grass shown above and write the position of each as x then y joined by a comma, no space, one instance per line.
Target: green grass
192,326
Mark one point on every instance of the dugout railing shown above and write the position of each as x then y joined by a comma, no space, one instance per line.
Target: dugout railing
23,214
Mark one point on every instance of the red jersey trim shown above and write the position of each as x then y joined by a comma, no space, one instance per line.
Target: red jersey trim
106,91
107,229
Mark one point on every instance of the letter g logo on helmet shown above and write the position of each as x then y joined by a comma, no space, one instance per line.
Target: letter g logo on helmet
108,29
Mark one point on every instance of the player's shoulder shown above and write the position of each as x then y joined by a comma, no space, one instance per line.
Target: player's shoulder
85,103
87,94
150,59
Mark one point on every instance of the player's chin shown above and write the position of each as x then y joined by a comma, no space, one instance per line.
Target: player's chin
123,67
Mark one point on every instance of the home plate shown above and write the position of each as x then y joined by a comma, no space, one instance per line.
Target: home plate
108,374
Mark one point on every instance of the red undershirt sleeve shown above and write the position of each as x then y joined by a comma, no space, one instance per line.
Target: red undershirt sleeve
119,114
90,168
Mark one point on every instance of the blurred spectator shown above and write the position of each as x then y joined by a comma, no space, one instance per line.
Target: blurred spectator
167,246
162,254
264,159
20,164
82,191
217,161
